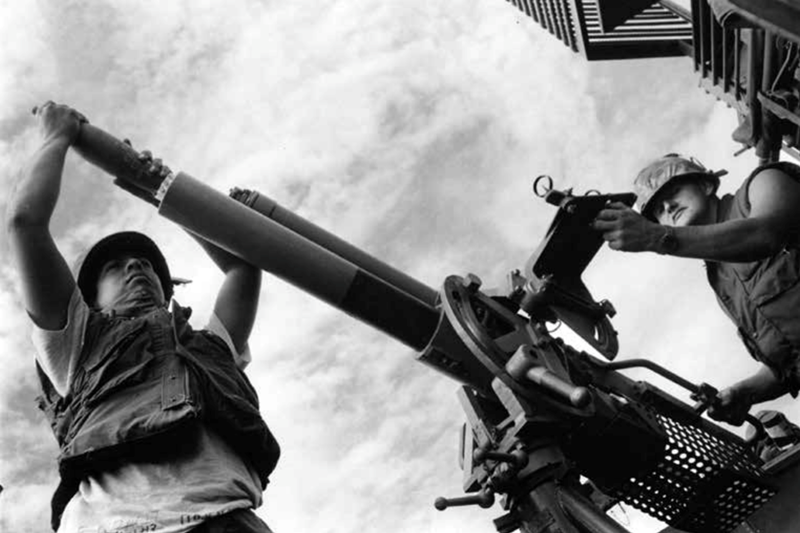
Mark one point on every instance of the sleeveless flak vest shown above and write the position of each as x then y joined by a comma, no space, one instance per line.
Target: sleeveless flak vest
762,297
141,388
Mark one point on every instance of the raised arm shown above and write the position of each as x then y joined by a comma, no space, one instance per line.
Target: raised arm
237,299
773,223
47,282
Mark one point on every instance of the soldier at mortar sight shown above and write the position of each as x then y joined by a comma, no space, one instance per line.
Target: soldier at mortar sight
750,243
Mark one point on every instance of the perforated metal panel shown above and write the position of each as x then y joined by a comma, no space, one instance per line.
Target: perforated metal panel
702,484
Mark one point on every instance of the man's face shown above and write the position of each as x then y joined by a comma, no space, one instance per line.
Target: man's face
683,203
128,278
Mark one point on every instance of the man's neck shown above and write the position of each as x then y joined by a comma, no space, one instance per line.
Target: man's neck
133,305
712,211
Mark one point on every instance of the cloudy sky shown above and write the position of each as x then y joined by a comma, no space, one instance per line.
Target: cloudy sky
412,129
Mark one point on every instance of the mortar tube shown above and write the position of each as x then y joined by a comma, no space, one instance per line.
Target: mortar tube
286,218
266,244
113,156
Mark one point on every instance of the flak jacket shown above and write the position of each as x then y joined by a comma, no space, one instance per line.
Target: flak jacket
141,389
763,297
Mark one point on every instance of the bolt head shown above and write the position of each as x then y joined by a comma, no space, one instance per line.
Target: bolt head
472,282
486,499
608,308
580,397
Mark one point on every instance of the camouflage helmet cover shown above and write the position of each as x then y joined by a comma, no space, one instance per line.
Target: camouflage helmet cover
655,176
87,267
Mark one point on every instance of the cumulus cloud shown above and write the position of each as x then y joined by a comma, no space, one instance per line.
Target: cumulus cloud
413,129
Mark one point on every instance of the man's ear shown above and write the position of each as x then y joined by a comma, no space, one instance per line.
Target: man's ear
707,186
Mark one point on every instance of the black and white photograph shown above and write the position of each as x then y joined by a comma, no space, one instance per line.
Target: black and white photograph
421,266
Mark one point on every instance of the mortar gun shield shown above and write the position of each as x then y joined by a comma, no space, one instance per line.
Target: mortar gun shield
554,270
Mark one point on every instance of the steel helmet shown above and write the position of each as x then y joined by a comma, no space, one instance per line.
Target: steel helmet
88,266
655,176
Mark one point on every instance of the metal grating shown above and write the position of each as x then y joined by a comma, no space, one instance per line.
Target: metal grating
653,24
739,66
702,484
653,32
721,59
745,62
553,15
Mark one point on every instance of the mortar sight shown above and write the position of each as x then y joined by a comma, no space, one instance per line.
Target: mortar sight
554,288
